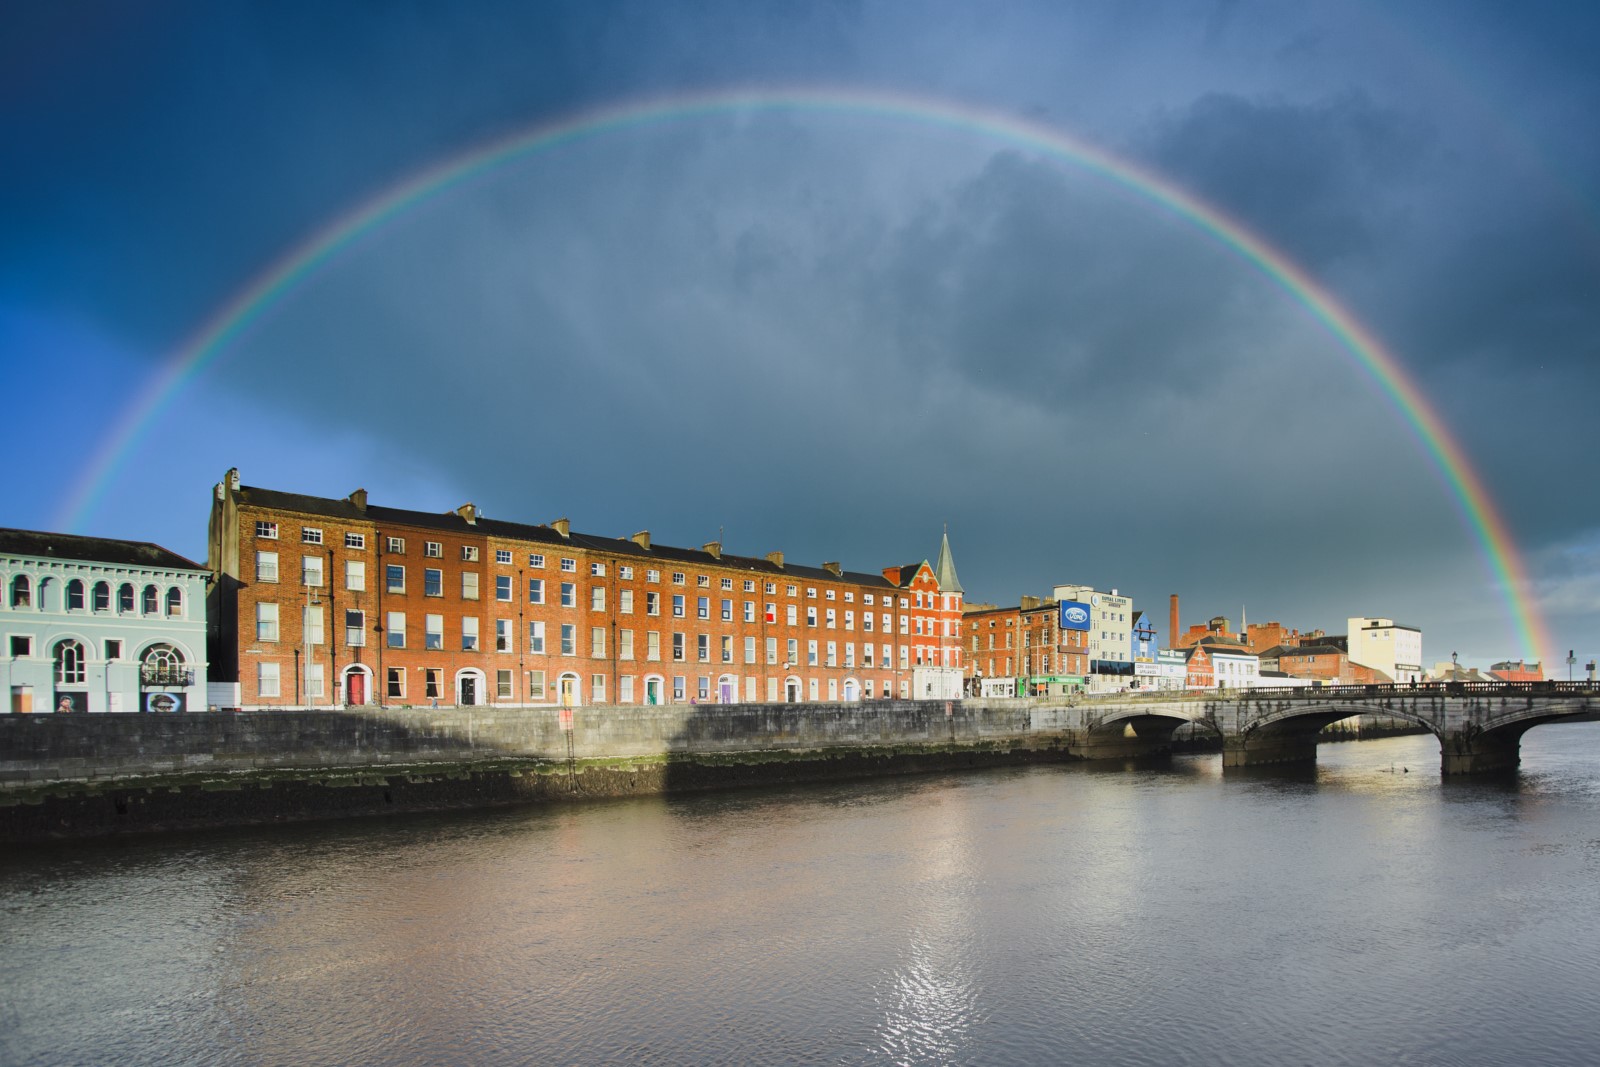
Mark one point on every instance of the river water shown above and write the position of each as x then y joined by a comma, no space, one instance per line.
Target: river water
1361,913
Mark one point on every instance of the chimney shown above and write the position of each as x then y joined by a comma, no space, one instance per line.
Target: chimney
713,549
562,527
466,511
892,575
1172,624
233,479
359,499
642,539
834,569
776,559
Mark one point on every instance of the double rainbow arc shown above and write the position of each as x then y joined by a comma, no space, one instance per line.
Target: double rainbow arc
1464,484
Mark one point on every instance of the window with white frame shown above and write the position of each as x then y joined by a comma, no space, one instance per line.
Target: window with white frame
268,530
749,650
829,594
727,583
536,638
311,570
469,585
749,611
597,642
702,581
536,685
625,601
536,590
502,587
772,650
268,680
678,578
569,639
727,649
314,680
394,577
569,594
311,535
395,628
625,573
536,559
355,575
395,683
597,598
311,621
597,570
652,576
469,553
727,610
569,565
433,549
749,585
432,581
397,545
355,540
624,644
266,566
355,628
502,636
433,632
502,556
652,645
502,684
469,633
266,622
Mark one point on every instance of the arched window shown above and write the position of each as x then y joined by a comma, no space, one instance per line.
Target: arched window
162,665
174,602
151,601
21,592
125,599
75,595
102,596
163,656
69,663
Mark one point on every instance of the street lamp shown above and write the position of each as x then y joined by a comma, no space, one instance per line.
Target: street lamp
1571,659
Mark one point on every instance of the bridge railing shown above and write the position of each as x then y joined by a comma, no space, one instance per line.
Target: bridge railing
1369,691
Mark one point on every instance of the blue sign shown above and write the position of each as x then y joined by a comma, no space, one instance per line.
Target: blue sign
1074,616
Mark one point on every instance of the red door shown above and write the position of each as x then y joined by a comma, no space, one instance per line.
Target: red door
358,688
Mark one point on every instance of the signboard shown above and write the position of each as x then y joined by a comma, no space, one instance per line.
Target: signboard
566,719
1149,669
163,702
1074,616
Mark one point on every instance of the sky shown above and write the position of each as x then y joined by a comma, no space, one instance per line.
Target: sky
835,331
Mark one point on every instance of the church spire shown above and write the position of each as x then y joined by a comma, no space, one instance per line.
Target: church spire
945,569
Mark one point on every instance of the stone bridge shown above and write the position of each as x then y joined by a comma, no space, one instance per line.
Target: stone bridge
1479,725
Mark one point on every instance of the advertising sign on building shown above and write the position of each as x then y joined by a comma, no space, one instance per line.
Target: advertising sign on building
1074,616
163,702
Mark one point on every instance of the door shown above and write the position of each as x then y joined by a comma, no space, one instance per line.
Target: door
469,690
725,690
652,691
569,690
791,691
357,683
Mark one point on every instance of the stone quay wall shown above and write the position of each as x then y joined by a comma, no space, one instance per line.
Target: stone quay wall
82,775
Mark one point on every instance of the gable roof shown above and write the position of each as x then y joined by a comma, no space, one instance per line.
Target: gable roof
945,569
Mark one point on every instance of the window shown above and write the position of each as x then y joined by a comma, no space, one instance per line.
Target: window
727,611
702,647
749,650
75,595
23,646
536,637
625,601
394,576
433,549
432,582
625,573
357,541
397,545
727,583
268,530
677,647
536,685
569,594
677,578
749,585
536,590
597,570
569,565
772,650
652,645
831,620
794,651
811,653
311,625
125,599
703,687
811,616
597,598
624,644
652,603
502,636
702,581
102,596
396,628
569,639
829,594
749,611
502,556
355,628
69,663
833,654
266,567
267,680
434,682
677,605
311,570
597,687
395,686
536,559
502,587
502,685
849,620
310,535
625,689
866,598
469,553
433,632
703,607
266,622
727,650
469,634
679,689
791,614
313,680
811,592
652,576
355,575
597,642
469,585
149,601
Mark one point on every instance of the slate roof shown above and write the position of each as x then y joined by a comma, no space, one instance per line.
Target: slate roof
451,522
45,545
945,569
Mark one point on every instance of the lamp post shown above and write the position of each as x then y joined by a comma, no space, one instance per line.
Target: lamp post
1571,659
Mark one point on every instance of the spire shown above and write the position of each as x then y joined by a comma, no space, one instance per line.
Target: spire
945,569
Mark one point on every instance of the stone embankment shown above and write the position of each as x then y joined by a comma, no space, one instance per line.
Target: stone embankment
86,775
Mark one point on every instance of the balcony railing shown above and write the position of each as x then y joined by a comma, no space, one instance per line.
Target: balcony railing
163,674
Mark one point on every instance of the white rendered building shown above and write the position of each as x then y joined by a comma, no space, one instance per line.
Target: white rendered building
95,625
1381,645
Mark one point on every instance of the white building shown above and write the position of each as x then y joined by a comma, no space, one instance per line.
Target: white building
1110,636
96,625
1381,645
1235,670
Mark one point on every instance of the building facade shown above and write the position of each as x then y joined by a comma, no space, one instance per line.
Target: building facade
1109,636
98,625
1395,651
320,601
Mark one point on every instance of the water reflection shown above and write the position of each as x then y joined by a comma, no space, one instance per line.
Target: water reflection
1360,911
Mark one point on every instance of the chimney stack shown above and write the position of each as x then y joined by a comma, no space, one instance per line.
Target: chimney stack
1172,623
834,568
712,549
359,499
562,527
469,512
642,539
776,559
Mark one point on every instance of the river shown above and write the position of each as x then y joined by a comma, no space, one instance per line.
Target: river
1364,912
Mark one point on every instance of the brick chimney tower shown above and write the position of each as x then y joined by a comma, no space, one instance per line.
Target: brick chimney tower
1172,624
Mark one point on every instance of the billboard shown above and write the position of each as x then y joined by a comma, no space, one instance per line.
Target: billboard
163,702
1074,616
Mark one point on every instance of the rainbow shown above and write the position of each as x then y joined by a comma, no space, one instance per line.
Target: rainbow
1463,483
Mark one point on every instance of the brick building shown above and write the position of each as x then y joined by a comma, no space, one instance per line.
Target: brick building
319,601
1027,643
